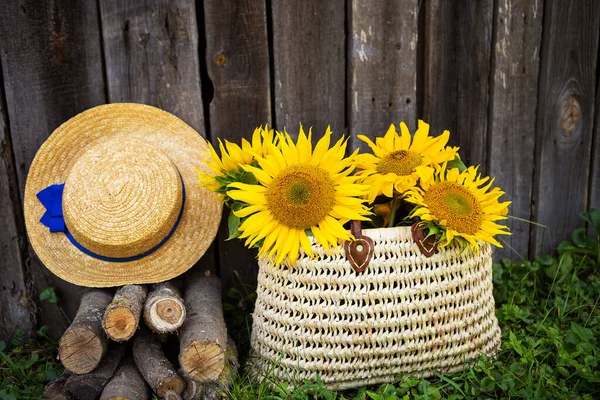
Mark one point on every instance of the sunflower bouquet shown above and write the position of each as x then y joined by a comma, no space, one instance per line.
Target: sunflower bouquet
283,192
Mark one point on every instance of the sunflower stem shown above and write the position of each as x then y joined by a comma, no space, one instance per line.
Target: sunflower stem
395,205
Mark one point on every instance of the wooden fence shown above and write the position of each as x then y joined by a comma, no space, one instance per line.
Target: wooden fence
515,81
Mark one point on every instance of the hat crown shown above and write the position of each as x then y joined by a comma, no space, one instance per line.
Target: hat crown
122,197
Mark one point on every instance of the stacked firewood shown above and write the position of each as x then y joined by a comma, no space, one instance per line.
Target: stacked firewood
109,354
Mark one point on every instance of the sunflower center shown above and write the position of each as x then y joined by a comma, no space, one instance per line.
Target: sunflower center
400,162
457,205
301,196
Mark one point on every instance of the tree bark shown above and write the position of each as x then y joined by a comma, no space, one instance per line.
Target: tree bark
164,311
89,386
126,384
203,337
193,390
57,390
84,343
122,315
154,366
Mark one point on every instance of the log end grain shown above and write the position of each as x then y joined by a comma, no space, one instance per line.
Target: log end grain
120,323
80,350
123,313
173,384
165,314
202,361
170,311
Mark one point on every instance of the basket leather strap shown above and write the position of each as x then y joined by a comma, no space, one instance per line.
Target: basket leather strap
360,251
427,244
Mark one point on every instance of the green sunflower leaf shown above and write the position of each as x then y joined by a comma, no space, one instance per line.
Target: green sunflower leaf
249,178
456,163
233,222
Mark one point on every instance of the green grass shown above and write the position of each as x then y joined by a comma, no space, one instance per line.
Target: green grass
549,311
27,366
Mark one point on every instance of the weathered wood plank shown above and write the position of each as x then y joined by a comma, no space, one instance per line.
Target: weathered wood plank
594,201
382,66
237,58
310,65
151,56
16,308
565,119
513,101
151,53
457,65
52,69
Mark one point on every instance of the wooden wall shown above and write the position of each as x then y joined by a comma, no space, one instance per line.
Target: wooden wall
515,81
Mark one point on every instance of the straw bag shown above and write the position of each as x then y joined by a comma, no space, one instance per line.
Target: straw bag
406,314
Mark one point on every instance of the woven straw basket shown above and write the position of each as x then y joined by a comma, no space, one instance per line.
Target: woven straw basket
405,315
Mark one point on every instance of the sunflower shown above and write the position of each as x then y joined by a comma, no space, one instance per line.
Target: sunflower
462,205
399,162
228,167
299,190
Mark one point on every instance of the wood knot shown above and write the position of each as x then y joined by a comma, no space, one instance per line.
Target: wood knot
570,115
220,59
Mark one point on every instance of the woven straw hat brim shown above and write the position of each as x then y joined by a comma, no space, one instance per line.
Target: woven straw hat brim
51,165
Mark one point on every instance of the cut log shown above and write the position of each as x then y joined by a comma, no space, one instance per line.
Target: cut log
153,365
203,336
89,386
164,311
214,390
84,343
170,395
122,315
217,390
126,384
57,390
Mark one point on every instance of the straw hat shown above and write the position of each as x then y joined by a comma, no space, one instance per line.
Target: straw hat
112,198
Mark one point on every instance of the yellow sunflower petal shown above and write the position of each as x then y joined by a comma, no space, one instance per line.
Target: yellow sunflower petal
244,212
404,138
262,177
376,149
389,139
319,237
306,246
247,197
321,147
304,146
420,137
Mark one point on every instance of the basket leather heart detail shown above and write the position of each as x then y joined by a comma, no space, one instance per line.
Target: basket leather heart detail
360,251
427,245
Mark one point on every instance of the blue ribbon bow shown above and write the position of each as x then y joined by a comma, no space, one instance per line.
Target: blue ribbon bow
51,198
